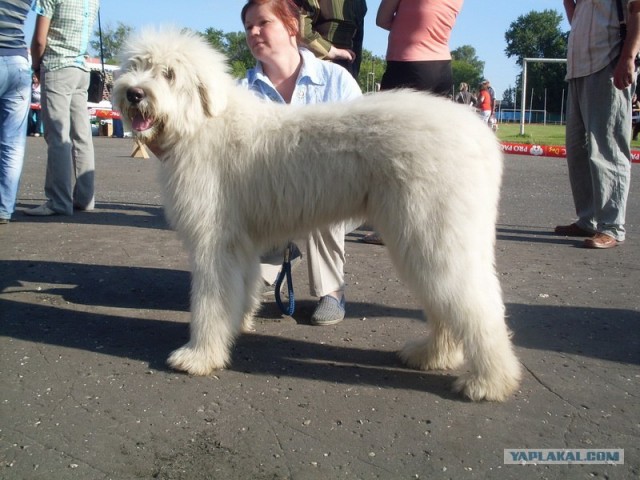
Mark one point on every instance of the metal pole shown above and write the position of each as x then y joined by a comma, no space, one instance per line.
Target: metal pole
101,47
373,75
562,108
524,96
544,115
524,82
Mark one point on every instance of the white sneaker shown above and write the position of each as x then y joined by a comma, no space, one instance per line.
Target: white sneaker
40,211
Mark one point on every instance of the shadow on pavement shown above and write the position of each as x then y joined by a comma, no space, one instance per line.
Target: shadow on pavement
606,334
118,214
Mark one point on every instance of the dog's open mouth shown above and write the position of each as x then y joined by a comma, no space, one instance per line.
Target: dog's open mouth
141,124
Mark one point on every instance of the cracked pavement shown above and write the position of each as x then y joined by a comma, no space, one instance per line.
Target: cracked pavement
91,306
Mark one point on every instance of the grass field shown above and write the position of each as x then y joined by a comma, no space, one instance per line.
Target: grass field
533,133
537,134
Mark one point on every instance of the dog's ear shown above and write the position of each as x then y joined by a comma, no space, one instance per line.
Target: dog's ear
210,107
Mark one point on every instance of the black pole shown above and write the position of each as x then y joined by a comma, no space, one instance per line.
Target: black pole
101,48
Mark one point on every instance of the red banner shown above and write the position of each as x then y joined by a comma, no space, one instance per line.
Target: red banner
102,113
557,151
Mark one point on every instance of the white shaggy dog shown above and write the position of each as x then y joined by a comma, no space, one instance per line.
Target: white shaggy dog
241,175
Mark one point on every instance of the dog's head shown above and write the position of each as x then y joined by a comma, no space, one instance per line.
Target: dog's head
170,83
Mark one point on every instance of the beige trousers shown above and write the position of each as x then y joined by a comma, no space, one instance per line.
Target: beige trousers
325,261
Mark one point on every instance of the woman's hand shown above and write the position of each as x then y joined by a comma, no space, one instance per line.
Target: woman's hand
341,54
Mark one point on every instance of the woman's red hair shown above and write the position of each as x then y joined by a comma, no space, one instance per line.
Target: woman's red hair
285,10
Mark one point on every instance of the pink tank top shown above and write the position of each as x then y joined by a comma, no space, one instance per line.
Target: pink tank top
421,30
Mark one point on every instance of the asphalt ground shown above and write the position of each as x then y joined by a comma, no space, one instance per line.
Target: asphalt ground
91,306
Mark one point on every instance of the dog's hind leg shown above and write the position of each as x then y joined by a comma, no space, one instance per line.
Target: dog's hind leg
411,250
494,370
218,303
462,300
438,351
475,314
470,325
253,282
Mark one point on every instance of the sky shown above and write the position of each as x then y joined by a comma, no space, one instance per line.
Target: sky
481,24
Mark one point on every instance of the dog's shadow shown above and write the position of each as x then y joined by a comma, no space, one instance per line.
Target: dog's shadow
261,354
99,287
69,312
151,341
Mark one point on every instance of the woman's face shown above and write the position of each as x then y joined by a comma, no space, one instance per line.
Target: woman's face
266,34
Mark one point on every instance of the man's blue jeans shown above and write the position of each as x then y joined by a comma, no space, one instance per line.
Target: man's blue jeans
15,97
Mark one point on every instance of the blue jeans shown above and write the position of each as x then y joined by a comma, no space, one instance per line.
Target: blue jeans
599,151
69,182
34,124
15,97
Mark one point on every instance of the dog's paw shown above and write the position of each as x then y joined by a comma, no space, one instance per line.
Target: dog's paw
196,362
496,388
248,324
422,356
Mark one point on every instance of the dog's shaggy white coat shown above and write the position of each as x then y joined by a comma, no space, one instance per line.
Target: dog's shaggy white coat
241,175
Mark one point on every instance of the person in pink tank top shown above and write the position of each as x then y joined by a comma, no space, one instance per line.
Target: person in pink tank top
418,54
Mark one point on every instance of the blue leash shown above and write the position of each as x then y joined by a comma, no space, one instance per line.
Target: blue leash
286,271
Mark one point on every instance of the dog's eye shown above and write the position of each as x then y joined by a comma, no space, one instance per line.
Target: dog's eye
169,74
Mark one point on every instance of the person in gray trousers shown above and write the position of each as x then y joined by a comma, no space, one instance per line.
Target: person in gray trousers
58,48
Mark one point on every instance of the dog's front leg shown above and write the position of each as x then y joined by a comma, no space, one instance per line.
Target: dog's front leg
217,308
253,293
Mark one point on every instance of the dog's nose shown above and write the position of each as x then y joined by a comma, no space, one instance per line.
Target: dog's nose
135,95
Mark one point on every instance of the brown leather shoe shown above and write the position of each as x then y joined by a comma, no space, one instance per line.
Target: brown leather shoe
572,230
601,240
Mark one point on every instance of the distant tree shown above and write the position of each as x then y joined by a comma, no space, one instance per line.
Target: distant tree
239,55
509,99
468,54
234,47
216,38
466,67
112,41
371,70
539,35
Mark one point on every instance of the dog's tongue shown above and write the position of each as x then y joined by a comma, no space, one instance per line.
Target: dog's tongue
140,124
